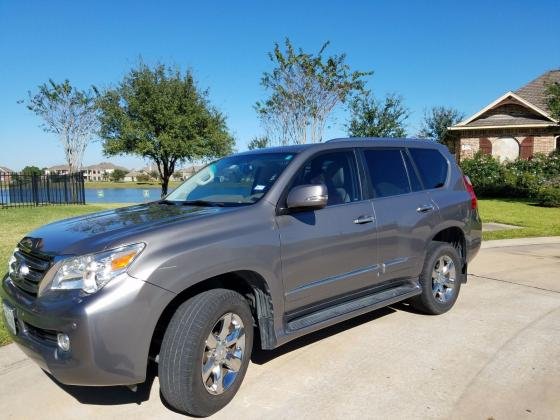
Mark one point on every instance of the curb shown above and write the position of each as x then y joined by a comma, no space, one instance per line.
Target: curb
500,243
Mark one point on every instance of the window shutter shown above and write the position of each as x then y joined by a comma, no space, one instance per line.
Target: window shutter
485,146
526,151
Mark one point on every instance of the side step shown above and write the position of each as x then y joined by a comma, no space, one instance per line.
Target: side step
373,301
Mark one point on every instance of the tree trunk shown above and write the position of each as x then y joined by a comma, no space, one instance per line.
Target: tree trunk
164,184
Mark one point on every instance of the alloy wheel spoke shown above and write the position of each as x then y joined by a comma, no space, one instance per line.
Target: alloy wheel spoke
211,341
234,336
218,384
207,368
232,362
226,324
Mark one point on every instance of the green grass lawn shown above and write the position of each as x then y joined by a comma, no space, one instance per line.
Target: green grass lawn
536,221
110,184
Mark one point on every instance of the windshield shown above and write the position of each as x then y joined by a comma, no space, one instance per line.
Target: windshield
234,180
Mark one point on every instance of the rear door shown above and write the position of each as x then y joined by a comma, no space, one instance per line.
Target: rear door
329,252
405,213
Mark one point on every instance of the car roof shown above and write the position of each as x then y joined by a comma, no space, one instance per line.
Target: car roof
352,142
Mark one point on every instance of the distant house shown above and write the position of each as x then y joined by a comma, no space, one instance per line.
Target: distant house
132,176
101,171
516,125
57,170
187,171
5,173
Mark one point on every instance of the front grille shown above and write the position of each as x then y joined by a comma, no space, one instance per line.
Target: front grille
40,334
28,271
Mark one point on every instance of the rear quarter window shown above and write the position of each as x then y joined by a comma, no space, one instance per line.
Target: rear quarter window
432,166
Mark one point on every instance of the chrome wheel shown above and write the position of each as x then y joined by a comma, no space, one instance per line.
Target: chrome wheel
443,279
223,354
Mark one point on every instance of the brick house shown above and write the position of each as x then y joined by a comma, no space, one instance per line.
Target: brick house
516,125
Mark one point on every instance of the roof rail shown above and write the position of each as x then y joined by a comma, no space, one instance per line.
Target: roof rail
340,139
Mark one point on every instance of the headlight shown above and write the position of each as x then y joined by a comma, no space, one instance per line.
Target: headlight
12,261
91,272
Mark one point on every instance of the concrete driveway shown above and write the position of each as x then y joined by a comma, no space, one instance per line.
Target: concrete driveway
495,355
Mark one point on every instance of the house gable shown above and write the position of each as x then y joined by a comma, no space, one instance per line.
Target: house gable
509,110
516,125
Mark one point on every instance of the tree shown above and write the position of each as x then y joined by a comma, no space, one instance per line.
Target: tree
305,88
31,170
143,178
553,91
118,175
436,123
153,174
259,143
372,118
69,113
160,114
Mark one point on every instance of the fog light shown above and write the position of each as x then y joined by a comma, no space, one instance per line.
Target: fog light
63,341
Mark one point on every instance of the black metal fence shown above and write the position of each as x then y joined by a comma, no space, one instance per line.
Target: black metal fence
20,190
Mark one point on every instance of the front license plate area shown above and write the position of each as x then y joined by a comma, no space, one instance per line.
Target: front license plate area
10,317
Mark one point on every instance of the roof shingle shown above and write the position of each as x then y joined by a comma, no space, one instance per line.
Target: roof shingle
535,91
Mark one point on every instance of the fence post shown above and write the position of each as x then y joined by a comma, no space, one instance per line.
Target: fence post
66,189
34,189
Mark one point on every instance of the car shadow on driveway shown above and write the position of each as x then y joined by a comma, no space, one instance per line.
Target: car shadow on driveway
111,395
120,395
260,357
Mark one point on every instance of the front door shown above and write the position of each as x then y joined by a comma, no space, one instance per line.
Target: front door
331,251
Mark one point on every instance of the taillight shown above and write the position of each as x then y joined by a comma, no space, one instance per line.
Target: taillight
470,190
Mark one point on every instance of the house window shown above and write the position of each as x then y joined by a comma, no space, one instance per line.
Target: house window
485,146
526,148
558,143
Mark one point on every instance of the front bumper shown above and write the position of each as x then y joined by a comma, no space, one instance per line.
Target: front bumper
110,331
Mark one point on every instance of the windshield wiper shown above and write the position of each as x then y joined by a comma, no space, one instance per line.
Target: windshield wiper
202,203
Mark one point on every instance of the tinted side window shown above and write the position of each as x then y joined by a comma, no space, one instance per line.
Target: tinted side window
337,171
433,167
387,172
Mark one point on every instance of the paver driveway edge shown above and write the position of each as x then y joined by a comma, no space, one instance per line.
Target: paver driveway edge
502,243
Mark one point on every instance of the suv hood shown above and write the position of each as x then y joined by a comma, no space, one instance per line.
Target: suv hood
97,231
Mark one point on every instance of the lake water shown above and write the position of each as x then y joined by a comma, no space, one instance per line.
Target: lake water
122,195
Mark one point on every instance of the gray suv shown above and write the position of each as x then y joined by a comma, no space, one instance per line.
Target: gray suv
254,250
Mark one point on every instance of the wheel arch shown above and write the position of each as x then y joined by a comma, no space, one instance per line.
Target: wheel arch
250,284
455,236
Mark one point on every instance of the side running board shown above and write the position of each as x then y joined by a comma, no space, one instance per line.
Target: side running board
373,301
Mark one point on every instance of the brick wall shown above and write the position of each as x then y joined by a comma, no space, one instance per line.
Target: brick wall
544,142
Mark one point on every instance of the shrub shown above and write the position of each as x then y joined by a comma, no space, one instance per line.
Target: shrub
485,173
519,178
548,196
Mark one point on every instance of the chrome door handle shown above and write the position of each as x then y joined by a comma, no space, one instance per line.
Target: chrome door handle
425,209
364,219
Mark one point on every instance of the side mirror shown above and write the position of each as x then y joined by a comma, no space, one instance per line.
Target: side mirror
308,197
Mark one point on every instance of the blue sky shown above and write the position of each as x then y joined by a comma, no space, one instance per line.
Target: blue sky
460,54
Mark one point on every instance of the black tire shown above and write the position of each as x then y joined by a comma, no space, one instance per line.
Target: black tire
427,301
183,346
